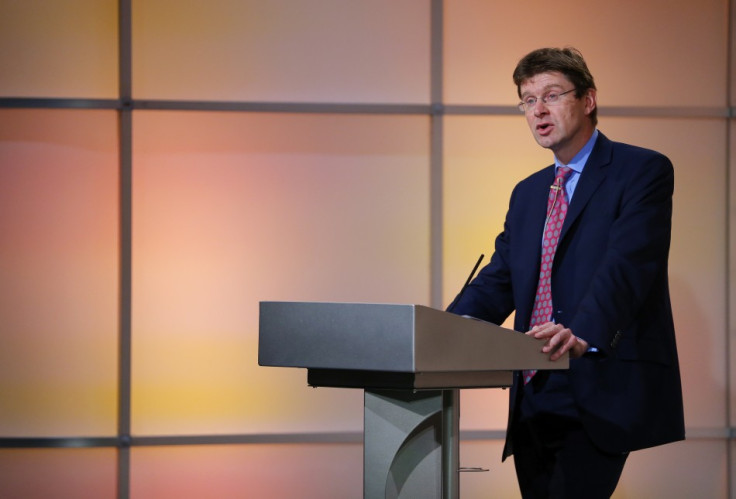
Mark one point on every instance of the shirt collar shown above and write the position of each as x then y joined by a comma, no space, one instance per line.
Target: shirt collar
578,161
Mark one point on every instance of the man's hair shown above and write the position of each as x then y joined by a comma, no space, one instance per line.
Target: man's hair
568,61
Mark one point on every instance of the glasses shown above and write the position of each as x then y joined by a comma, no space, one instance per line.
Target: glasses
550,98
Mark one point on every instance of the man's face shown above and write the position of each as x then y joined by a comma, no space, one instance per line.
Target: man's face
563,126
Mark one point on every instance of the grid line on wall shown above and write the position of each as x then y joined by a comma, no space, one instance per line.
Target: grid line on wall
435,156
125,113
432,110
729,352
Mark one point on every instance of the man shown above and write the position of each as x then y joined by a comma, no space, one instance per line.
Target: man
582,260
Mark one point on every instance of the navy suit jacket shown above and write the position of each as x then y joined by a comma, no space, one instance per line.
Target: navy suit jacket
609,286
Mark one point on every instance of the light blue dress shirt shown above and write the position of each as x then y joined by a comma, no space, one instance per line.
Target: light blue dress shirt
577,164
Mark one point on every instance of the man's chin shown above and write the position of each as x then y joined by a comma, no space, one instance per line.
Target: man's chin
546,142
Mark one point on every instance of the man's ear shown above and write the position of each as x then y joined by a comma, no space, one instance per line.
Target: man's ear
590,99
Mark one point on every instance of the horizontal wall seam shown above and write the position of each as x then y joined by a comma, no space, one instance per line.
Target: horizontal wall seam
347,108
715,433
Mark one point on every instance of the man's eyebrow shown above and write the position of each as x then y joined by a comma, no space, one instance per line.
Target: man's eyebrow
547,88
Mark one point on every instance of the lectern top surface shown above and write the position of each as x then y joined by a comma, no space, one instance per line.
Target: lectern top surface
389,337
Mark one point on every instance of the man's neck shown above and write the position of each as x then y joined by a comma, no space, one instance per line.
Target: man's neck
566,153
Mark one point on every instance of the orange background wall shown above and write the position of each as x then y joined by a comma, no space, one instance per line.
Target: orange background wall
246,186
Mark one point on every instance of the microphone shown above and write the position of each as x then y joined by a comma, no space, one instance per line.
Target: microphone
467,283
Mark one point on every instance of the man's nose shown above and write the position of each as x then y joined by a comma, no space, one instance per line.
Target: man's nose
540,108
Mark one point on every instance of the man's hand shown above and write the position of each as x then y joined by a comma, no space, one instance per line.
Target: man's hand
558,340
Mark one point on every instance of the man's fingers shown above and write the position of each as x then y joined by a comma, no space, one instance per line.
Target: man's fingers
564,347
558,338
560,341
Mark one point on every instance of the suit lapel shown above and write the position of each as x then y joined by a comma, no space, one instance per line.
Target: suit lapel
590,180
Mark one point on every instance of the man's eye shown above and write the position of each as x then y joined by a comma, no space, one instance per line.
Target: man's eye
552,96
530,101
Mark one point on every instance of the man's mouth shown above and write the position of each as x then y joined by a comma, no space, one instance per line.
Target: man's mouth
544,128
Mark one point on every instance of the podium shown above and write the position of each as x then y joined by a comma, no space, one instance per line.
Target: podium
411,361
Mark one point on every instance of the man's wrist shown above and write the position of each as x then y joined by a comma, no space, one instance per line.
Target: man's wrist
581,347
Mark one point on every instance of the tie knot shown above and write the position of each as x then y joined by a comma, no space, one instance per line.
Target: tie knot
563,172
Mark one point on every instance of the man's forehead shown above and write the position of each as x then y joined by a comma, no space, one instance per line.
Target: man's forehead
543,81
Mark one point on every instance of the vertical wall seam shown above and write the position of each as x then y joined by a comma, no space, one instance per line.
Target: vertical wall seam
125,155
436,138
730,485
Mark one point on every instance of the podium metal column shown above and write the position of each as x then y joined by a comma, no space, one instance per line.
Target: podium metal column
451,444
411,444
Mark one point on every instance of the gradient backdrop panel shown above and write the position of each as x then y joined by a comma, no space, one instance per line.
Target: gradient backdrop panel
310,151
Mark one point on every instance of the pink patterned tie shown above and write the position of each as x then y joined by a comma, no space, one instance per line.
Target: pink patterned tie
556,211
